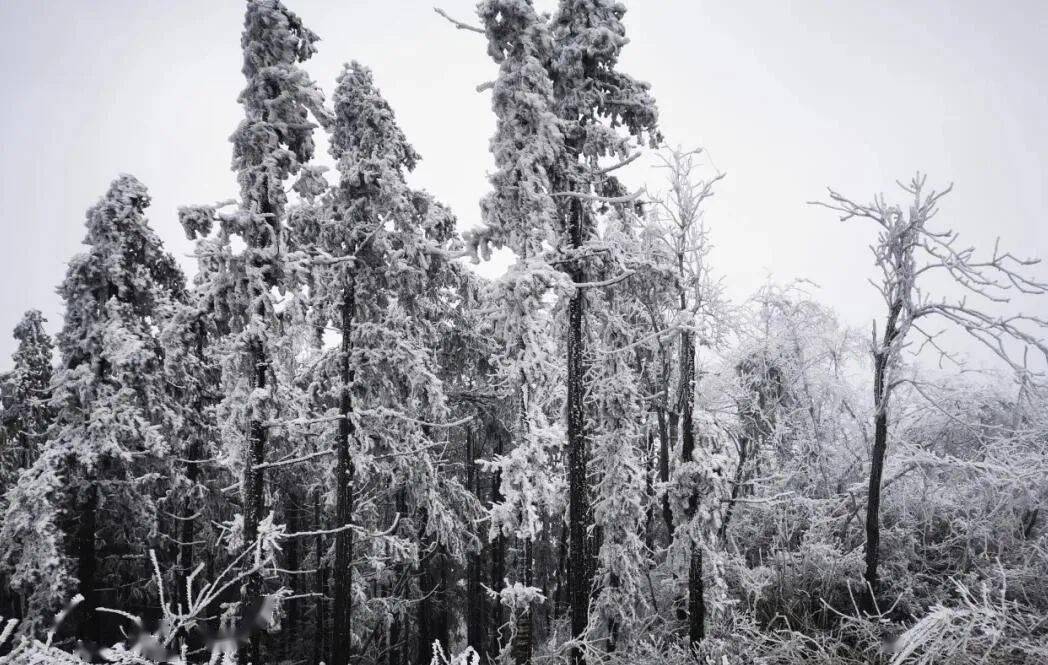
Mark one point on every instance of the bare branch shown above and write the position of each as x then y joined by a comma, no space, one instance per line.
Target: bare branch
459,25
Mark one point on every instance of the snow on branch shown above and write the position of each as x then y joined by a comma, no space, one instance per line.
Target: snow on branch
459,25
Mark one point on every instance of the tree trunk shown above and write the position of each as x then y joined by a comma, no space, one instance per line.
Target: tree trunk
736,487
664,471
428,589
87,563
881,394
187,530
696,602
291,632
476,617
580,572
649,491
498,553
320,635
522,640
254,506
696,598
873,503
342,614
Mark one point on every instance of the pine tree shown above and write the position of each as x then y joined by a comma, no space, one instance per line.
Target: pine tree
271,144
381,277
560,103
26,395
25,392
87,506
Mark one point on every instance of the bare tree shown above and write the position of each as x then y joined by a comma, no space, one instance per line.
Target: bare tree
907,252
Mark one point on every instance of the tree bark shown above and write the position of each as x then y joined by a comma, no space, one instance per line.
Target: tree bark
881,394
498,551
696,602
320,635
294,561
342,614
476,617
522,640
187,532
664,471
580,572
87,563
428,590
254,505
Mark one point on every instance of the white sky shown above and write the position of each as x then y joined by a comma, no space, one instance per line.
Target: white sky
787,97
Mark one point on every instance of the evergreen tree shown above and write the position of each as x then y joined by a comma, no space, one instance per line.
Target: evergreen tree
272,142
381,277
26,393
84,512
560,103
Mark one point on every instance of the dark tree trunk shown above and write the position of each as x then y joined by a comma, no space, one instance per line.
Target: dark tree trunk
522,640
476,616
294,562
873,503
342,615
881,394
320,635
428,589
736,487
696,602
696,597
579,517
87,563
254,508
187,530
498,548
649,491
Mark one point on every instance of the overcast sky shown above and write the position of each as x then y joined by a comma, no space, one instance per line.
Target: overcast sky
787,98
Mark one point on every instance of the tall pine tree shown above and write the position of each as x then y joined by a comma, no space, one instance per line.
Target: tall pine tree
83,514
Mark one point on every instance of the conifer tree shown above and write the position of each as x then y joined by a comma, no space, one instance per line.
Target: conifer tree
272,142
89,500
560,103
379,257
26,393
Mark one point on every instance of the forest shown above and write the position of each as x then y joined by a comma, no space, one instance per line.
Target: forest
336,442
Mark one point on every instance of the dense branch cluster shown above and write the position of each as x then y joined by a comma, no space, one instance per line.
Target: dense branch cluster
338,444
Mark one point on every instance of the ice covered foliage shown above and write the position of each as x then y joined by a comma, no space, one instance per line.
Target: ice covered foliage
276,135
377,256
108,445
398,242
520,214
520,211
24,395
594,99
243,286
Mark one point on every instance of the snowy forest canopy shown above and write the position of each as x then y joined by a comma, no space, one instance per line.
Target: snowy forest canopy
337,443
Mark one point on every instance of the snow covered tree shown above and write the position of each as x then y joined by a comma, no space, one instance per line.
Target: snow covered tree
80,517
193,501
560,103
379,258
26,393
907,250
270,145
688,246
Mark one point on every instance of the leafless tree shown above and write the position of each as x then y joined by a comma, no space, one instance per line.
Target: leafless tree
908,251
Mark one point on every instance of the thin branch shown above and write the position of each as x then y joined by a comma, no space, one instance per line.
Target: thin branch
459,25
